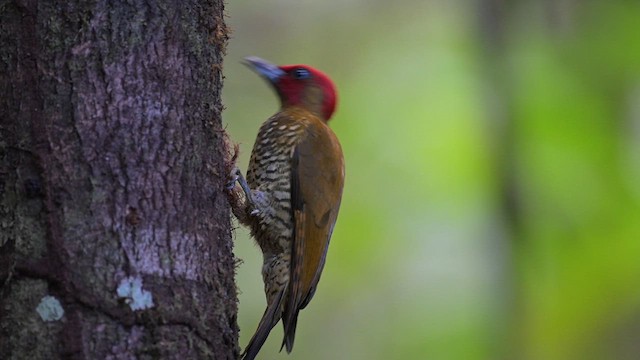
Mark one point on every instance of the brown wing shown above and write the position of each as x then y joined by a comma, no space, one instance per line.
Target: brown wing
317,179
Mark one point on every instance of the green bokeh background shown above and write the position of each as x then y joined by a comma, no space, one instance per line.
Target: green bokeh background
492,200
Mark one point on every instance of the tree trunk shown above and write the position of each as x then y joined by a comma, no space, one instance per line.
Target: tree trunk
115,236
493,23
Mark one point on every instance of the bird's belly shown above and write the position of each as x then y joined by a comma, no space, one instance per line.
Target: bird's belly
275,273
272,197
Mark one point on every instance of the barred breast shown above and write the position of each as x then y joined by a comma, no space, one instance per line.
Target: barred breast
269,175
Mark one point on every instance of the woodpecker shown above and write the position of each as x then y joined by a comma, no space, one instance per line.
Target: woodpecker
291,196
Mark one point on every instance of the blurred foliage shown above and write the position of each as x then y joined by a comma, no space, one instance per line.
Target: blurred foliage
492,200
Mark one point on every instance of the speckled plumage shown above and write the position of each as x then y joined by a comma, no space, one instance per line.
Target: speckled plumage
293,191
269,177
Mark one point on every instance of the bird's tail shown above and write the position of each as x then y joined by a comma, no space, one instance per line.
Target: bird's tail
270,318
289,331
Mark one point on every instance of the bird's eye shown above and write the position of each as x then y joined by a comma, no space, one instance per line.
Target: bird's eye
301,73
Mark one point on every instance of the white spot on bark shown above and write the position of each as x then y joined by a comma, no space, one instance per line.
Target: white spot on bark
50,309
131,290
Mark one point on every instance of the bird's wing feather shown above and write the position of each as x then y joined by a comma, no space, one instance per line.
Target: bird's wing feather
269,319
316,190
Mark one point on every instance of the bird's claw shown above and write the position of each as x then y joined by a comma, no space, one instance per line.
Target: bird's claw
231,184
234,175
254,212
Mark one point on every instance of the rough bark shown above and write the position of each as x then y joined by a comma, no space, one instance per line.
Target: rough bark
111,182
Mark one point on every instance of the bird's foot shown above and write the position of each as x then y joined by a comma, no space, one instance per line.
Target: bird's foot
234,176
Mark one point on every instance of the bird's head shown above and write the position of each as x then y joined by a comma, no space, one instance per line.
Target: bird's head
299,85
